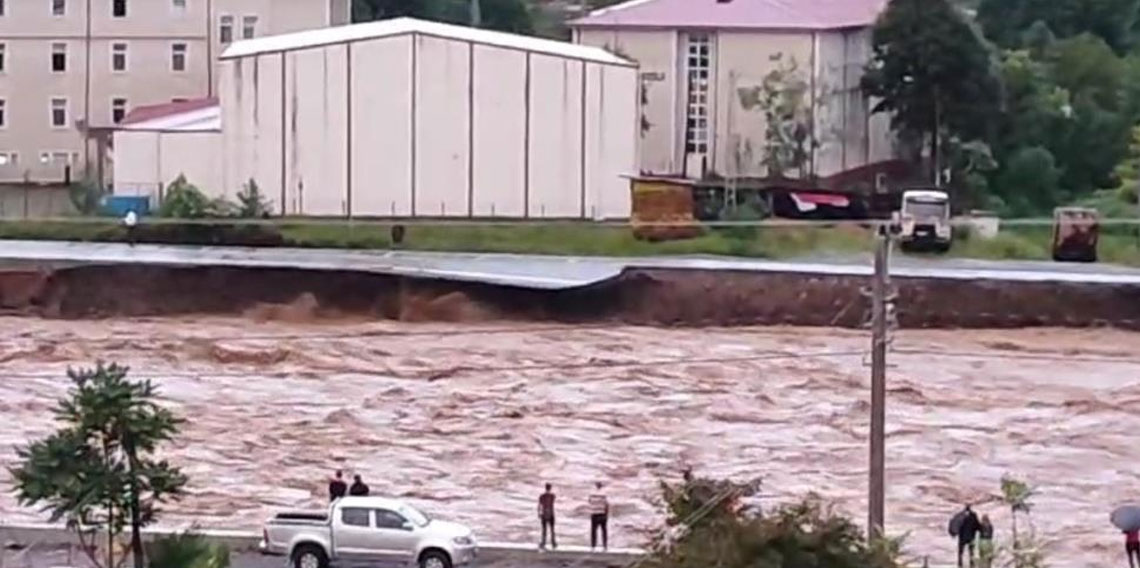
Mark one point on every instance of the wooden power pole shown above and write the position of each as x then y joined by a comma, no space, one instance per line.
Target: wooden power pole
880,289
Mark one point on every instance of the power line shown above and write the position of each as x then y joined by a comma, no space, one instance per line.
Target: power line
1018,356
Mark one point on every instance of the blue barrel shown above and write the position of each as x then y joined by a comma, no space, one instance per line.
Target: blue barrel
119,205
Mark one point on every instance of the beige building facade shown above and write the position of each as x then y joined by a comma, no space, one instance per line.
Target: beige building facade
71,67
704,65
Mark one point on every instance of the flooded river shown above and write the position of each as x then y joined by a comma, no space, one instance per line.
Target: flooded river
469,421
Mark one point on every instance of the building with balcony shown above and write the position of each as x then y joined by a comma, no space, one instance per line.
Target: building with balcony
70,70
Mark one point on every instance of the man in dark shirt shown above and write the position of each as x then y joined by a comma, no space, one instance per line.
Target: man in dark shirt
337,486
546,516
359,488
967,533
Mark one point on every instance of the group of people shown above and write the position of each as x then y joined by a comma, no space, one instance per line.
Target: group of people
974,536
338,488
599,508
599,517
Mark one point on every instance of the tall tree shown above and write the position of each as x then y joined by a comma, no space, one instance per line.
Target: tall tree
97,472
933,73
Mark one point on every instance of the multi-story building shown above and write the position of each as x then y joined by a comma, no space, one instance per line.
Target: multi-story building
707,65
70,68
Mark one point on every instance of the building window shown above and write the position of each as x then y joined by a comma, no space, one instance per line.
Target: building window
118,110
3,57
58,158
248,27
59,113
697,110
59,7
226,29
119,8
118,57
9,159
179,6
178,57
3,113
58,57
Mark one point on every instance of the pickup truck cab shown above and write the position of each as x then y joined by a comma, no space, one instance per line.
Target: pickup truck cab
368,531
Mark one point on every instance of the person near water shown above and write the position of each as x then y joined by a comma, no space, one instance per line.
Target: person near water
546,516
986,542
967,532
129,221
337,486
1132,547
359,488
599,517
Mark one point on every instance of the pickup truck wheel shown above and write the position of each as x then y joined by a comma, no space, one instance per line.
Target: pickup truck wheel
435,559
309,556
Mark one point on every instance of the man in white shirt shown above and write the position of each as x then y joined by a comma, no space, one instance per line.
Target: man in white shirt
599,517
129,221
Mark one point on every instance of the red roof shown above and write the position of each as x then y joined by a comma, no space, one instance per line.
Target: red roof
151,112
737,14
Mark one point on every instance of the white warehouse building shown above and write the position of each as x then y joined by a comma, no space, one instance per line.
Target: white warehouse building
406,118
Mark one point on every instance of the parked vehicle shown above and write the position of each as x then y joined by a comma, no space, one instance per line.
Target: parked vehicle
924,221
1076,231
368,531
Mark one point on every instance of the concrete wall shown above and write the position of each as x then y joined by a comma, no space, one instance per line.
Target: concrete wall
427,126
145,161
35,202
662,79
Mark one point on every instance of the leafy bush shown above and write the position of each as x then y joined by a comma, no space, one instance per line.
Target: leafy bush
709,525
251,202
187,550
1029,182
183,200
86,196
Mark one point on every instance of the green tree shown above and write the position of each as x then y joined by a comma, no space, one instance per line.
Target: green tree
1005,21
503,15
97,472
1029,182
708,524
933,73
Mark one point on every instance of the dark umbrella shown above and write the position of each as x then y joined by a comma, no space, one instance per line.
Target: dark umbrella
956,521
1126,518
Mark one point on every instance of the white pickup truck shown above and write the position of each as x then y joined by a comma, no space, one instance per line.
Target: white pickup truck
368,531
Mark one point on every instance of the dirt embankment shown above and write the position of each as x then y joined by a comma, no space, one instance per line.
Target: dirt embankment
654,297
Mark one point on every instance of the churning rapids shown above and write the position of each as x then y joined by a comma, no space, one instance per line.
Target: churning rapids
468,421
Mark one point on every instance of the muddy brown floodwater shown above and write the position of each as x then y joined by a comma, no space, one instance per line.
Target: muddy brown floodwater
469,421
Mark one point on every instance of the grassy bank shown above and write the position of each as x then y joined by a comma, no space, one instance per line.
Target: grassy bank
1118,244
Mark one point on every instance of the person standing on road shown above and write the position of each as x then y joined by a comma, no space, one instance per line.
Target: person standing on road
986,542
967,532
546,517
337,486
599,517
1132,547
359,488
129,221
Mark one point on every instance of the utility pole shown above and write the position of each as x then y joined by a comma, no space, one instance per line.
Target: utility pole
880,289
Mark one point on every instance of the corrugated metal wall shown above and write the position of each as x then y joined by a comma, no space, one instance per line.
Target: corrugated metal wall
431,127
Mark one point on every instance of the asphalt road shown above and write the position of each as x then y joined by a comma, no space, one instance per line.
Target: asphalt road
542,272
59,558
